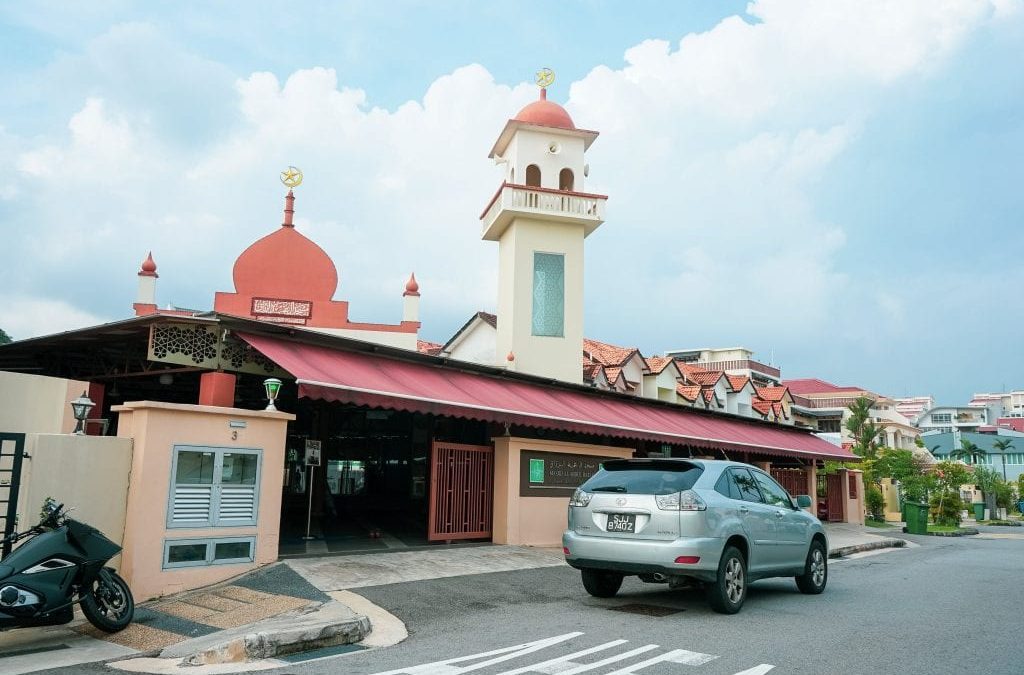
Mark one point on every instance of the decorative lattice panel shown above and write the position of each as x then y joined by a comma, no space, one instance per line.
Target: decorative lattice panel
188,344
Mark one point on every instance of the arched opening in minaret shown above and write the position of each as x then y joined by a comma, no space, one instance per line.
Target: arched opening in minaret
533,175
565,179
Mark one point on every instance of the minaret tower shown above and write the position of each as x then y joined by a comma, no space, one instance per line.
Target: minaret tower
540,216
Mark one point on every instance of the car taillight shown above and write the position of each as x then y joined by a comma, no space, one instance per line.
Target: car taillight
565,550
687,500
688,559
580,498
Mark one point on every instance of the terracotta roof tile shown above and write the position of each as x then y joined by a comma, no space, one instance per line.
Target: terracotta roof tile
688,391
656,364
427,347
779,410
737,382
707,378
606,354
812,385
489,318
762,406
591,371
613,373
772,393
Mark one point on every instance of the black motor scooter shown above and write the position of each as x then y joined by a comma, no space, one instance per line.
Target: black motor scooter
62,564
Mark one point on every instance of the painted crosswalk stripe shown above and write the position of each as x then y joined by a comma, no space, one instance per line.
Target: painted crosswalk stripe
681,656
448,667
562,663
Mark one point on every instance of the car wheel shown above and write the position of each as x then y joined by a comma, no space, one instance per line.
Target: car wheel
815,575
601,584
728,591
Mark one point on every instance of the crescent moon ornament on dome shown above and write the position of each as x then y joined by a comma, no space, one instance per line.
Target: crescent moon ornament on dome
545,77
291,177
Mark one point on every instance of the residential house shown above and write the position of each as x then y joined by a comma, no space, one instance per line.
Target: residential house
961,418
1008,463
731,361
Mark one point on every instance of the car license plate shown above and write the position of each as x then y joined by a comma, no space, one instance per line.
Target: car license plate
621,522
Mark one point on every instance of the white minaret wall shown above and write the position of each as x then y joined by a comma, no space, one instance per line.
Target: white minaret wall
552,150
532,146
411,307
556,357
146,294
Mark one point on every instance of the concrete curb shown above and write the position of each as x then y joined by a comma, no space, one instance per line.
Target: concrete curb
888,542
330,625
963,532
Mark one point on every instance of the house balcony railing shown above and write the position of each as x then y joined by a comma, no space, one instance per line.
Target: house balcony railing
511,201
742,364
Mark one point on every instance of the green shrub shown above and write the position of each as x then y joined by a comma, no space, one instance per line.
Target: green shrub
945,508
1004,495
875,502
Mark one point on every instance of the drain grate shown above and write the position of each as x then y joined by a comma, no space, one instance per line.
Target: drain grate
647,610
33,650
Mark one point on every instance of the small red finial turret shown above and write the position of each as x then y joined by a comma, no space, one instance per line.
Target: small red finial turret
289,209
511,357
412,287
148,267
543,93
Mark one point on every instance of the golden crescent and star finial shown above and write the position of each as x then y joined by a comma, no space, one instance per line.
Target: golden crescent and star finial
545,78
291,177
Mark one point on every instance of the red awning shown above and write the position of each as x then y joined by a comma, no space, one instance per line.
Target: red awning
382,382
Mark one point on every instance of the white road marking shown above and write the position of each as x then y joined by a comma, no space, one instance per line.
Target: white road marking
552,665
567,664
448,667
682,656
611,659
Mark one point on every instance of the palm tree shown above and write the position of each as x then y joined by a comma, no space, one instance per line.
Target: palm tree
864,431
967,450
1002,445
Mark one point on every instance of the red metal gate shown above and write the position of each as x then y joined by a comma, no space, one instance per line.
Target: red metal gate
461,491
794,480
830,497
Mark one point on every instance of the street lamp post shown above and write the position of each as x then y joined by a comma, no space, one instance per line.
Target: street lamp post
272,386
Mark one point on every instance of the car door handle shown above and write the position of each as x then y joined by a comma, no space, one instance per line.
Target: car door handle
744,509
780,514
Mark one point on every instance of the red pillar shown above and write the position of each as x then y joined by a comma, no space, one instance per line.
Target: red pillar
217,389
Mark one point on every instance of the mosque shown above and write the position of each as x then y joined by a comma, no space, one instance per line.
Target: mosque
373,440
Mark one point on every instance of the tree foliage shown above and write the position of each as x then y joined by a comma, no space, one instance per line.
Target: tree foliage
4,337
862,428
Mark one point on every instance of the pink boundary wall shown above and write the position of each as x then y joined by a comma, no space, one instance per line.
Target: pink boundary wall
533,521
155,429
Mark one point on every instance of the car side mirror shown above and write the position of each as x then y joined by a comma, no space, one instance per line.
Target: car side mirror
803,501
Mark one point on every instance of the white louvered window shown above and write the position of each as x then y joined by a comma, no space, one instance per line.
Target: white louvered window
214,487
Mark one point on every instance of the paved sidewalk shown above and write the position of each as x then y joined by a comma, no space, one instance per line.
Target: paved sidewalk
847,538
376,569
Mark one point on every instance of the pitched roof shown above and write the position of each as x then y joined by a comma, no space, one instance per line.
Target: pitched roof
812,385
771,393
688,391
779,410
606,354
656,364
427,347
591,371
762,406
613,373
737,382
488,318
707,378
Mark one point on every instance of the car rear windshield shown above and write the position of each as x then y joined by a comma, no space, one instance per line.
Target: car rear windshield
656,477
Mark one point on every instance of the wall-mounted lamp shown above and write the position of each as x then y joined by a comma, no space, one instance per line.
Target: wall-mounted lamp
272,385
80,408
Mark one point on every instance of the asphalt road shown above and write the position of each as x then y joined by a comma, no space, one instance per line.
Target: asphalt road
949,606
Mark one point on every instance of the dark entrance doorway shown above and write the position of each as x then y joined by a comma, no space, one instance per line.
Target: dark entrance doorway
372,489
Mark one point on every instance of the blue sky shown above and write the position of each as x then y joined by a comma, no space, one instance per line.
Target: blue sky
834,184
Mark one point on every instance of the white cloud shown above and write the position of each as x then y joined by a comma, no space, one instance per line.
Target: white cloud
30,316
710,152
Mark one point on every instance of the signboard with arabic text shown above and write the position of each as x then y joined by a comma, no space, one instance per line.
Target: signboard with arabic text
555,474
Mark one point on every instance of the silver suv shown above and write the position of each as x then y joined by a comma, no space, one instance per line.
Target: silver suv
720,524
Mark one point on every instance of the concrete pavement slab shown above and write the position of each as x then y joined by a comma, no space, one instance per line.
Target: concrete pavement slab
375,569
